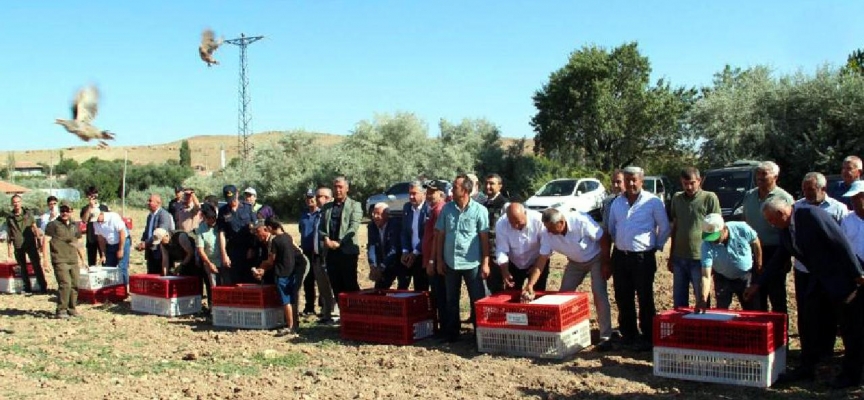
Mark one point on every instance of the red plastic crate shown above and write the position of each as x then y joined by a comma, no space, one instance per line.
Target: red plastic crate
382,303
9,269
384,330
749,332
113,294
164,287
247,296
504,310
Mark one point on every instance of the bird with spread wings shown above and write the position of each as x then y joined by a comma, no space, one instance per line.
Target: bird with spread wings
208,46
84,109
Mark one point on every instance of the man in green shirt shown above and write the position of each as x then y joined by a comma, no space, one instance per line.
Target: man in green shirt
24,236
769,236
689,207
67,256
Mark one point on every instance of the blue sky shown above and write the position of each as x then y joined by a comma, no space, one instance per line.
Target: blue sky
325,65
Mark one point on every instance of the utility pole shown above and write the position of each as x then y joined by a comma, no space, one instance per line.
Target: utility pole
244,118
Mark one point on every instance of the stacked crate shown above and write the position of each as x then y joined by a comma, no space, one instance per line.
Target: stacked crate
11,280
165,295
720,346
386,316
101,285
553,325
248,306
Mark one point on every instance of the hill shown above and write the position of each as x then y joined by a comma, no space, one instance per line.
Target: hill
205,150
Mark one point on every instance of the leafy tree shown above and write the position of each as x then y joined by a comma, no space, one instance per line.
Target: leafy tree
185,154
600,111
854,63
65,166
10,167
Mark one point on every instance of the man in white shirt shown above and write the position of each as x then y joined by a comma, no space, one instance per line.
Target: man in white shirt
517,245
579,238
639,227
114,241
50,214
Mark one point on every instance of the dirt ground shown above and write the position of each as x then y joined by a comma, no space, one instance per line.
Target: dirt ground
112,353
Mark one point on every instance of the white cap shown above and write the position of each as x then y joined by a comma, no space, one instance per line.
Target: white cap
251,191
712,226
158,234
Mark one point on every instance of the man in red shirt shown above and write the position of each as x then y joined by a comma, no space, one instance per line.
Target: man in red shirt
436,194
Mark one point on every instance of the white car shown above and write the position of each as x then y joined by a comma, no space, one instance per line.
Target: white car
585,194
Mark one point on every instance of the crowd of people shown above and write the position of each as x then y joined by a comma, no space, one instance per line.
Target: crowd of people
441,240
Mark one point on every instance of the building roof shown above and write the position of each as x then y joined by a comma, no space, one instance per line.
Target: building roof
11,188
26,165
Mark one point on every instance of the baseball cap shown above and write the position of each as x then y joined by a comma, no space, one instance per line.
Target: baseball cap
310,193
158,235
229,191
435,184
855,188
251,191
712,227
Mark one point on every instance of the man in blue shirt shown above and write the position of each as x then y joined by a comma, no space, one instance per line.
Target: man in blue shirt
309,246
729,250
850,172
462,235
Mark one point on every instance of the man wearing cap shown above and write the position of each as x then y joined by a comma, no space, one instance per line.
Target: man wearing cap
114,242
67,257
732,251
24,236
187,215
309,245
853,223
176,247
436,194
689,208
850,173
340,223
414,215
494,204
810,235
462,232
639,227
578,237
235,221
158,218
250,196
88,214
384,250
769,236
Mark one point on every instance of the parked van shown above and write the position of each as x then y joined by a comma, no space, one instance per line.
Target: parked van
730,183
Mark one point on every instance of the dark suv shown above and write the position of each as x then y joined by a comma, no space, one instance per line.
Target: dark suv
730,183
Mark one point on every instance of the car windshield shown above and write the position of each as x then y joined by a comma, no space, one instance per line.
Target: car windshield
399,188
649,185
557,188
724,182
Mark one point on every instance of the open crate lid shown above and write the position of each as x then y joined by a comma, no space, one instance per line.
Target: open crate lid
553,299
712,316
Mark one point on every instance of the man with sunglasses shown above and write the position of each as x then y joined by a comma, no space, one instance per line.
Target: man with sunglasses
67,256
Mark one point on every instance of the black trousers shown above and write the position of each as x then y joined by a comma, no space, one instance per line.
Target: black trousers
633,277
775,289
309,285
28,250
342,270
850,317
417,272
154,264
821,336
93,252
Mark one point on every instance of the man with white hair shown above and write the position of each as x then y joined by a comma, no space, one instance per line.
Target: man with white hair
581,240
639,227
340,222
850,172
114,241
769,236
384,250
810,235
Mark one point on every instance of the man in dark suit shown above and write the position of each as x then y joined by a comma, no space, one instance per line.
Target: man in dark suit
158,218
414,215
235,221
384,249
812,236
340,221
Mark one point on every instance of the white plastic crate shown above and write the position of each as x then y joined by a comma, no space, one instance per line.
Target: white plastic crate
99,277
248,318
166,307
720,367
16,285
424,329
529,343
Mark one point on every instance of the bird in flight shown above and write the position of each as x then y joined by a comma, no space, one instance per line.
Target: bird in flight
84,109
208,46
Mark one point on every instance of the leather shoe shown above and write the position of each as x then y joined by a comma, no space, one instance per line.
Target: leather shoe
796,375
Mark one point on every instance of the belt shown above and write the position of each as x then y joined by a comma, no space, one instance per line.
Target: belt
629,252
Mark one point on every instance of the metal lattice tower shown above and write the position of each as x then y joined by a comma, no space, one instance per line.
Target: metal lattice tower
244,118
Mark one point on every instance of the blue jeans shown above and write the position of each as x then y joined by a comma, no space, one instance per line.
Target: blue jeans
121,264
685,273
453,287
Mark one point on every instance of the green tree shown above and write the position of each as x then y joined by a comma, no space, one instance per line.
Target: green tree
600,111
185,154
10,166
854,63
65,166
